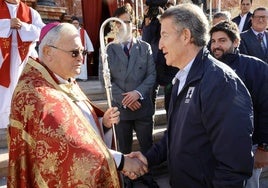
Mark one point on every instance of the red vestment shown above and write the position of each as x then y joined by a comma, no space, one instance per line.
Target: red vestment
51,143
24,14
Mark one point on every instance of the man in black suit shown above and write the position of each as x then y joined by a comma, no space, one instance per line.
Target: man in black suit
254,41
243,20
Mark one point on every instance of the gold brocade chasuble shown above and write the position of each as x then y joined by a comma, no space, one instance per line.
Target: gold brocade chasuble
51,144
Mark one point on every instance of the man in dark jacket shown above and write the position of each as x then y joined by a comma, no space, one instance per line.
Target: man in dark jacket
243,20
253,72
164,73
254,41
208,140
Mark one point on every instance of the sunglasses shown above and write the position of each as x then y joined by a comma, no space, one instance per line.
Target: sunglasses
75,53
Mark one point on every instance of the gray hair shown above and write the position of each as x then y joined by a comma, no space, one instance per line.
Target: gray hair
190,16
54,35
223,14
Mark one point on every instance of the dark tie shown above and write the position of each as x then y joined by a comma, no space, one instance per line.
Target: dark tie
175,88
260,39
126,50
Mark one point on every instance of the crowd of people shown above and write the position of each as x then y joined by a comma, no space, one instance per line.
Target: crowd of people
215,78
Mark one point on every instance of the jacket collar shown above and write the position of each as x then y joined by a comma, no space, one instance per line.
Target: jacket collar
197,68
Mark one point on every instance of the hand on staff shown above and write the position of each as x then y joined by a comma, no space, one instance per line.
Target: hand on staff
15,23
111,117
130,97
133,167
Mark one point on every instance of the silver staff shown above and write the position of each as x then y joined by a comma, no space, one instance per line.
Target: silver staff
106,70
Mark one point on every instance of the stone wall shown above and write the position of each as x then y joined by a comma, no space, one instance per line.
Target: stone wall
234,5
74,7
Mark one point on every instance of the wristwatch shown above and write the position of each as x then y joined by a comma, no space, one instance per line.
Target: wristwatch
263,147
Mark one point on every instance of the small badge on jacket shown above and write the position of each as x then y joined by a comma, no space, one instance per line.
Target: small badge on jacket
189,94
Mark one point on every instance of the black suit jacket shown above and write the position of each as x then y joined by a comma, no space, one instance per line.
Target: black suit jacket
247,24
250,45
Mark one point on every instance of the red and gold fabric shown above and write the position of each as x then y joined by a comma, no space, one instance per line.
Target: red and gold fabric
51,144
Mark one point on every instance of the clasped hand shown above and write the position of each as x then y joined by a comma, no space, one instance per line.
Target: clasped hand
135,165
130,100
15,23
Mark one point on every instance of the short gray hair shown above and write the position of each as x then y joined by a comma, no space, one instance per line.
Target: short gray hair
54,35
192,17
223,14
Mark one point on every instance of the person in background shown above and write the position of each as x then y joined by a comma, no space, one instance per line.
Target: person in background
133,76
86,42
20,27
254,41
164,73
221,16
253,72
55,136
243,20
210,120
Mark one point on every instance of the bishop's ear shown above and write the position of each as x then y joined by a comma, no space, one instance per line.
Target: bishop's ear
47,52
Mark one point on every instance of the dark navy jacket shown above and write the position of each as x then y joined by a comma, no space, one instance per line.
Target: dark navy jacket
251,46
247,24
208,140
254,73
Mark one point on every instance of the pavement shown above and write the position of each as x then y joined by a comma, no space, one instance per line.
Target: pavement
160,173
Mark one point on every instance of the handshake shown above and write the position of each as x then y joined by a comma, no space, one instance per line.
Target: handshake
135,165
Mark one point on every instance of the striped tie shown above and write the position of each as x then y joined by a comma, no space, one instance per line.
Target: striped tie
260,39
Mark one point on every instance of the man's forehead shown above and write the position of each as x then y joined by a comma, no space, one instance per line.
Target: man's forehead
168,24
246,1
220,35
69,38
261,12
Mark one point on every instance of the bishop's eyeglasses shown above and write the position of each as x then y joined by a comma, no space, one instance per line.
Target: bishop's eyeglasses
74,53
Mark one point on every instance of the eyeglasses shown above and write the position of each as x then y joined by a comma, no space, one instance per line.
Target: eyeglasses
75,53
260,17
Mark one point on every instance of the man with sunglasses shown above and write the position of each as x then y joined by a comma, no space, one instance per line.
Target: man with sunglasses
56,138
